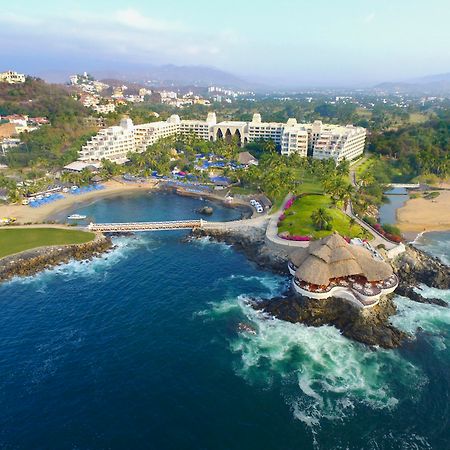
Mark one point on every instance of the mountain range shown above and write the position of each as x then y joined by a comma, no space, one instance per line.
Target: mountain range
438,84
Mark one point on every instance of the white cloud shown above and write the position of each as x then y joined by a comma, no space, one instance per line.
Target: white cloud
127,33
369,18
18,19
134,19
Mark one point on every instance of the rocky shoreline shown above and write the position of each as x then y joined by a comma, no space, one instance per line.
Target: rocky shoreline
370,326
30,262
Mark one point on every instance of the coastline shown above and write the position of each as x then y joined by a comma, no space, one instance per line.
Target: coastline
419,215
24,214
30,262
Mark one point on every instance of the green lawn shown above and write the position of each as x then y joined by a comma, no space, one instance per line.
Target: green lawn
299,223
239,190
20,239
306,185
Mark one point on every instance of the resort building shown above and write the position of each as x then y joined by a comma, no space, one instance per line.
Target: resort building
12,77
331,267
112,143
316,140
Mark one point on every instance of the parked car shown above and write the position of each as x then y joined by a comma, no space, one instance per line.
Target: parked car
253,202
259,209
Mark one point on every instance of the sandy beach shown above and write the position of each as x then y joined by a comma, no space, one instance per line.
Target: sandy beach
420,215
26,214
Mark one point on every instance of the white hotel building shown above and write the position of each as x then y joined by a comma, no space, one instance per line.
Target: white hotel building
316,140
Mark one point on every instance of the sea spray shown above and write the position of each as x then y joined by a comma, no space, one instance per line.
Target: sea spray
322,374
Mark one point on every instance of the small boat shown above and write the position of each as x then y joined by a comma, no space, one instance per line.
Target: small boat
76,217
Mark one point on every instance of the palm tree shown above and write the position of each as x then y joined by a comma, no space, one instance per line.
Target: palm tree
352,222
321,219
346,195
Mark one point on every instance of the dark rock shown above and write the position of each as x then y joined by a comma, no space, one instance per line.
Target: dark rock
33,261
206,210
251,244
369,326
408,291
415,266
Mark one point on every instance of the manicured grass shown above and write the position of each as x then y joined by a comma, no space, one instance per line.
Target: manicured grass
243,190
306,185
298,219
20,239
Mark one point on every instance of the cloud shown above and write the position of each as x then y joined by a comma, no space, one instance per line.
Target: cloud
369,18
134,19
18,19
127,34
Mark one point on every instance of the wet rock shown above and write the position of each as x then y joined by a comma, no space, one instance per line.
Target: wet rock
33,261
252,244
408,291
370,326
415,266
206,210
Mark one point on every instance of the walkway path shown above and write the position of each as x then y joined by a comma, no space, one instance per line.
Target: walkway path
145,226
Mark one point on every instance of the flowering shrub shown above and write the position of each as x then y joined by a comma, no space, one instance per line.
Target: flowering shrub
289,203
282,217
295,238
386,233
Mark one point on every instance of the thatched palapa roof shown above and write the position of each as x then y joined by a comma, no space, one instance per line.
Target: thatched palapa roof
333,257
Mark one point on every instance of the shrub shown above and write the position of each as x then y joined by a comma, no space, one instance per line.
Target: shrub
391,229
370,220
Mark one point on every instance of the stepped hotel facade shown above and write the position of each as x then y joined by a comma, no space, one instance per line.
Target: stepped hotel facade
315,139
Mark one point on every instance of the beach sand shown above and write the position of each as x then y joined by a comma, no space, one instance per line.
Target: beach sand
420,215
26,214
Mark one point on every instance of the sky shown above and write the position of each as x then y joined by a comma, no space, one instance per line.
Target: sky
281,42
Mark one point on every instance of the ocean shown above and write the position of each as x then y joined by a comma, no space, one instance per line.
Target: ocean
141,348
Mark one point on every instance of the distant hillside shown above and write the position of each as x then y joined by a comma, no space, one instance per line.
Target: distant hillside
432,84
171,75
51,145
37,98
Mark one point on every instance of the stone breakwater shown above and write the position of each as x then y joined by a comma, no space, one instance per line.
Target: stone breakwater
370,326
30,262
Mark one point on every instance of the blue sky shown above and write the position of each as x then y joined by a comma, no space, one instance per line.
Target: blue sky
296,42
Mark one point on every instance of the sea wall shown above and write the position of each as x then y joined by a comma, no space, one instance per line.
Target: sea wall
33,261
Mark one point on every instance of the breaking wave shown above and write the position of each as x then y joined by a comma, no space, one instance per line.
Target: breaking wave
321,374
97,267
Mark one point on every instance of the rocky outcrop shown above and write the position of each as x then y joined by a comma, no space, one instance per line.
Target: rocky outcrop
33,261
250,241
415,267
206,210
369,326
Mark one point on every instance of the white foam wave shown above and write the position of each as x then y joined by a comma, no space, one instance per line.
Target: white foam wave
324,375
432,319
272,283
429,292
206,241
97,267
